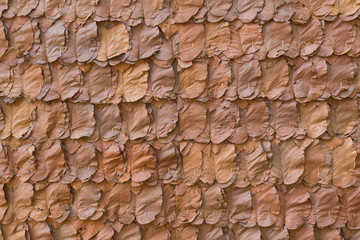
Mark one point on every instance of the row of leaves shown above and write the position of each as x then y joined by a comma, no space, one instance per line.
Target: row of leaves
283,79
165,120
111,43
280,208
329,162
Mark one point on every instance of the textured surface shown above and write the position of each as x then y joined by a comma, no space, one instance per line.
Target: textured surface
179,119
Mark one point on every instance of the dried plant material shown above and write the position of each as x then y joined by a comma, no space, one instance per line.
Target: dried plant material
190,86
142,161
165,117
267,205
118,205
131,231
323,199
307,38
219,77
276,38
184,10
28,83
50,164
114,10
52,121
39,230
99,83
20,197
136,120
292,161
21,39
86,200
161,81
275,77
145,42
192,119
285,116
257,119
223,121
217,37
247,9
188,201
339,36
19,8
255,162
217,10
314,162
314,118
83,44
297,207
319,8
247,75
191,41
81,161
114,40
108,120
343,157
132,83
54,40
6,169
192,163
19,119
82,119
148,204
340,75
66,81
343,116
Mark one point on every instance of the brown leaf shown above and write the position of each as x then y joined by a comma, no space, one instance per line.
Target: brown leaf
192,120
184,10
132,83
192,40
82,121
188,201
240,204
142,161
192,163
292,161
193,80
275,77
298,207
135,118
19,197
223,121
217,37
277,38
343,157
326,206
81,161
343,116
165,117
20,119
313,118
99,84
114,40
50,164
267,205
55,39
118,205
285,117
86,200
148,204
131,231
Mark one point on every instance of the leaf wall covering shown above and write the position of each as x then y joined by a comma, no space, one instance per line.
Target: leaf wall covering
179,119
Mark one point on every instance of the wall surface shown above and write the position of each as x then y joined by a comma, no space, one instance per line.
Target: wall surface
179,119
